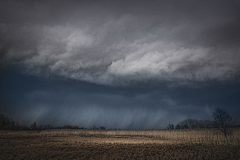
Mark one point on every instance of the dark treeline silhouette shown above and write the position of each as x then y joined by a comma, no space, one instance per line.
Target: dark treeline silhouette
221,120
193,124
94,127
9,124
170,126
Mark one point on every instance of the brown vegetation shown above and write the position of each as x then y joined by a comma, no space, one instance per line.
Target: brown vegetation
119,144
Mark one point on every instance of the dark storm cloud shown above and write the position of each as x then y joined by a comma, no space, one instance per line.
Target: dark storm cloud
30,99
122,42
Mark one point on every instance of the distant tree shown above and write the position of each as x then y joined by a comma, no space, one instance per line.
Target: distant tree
193,123
7,123
205,124
170,126
33,126
223,120
177,126
75,127
102,128
67,127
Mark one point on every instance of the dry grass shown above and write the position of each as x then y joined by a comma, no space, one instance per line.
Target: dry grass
118,144
184,135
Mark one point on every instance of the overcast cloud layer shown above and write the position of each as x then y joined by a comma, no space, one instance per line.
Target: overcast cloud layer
120,42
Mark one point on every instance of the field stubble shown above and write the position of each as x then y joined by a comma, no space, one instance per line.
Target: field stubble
119,144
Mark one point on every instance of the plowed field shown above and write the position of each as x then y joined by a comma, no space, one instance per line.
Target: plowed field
77,147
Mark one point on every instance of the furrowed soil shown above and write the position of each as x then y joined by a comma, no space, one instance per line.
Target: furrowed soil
113,147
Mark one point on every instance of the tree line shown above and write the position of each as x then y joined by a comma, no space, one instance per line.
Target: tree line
7,123
221,120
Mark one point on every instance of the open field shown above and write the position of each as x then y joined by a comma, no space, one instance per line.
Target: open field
118,144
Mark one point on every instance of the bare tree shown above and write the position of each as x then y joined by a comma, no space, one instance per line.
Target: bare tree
223,120
170,126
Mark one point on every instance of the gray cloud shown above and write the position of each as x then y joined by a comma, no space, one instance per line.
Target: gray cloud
123,42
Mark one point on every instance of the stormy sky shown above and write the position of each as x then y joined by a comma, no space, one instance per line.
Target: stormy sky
120,64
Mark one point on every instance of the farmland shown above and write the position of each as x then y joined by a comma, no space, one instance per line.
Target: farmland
119,144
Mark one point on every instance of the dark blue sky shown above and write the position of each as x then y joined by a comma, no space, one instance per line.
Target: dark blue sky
118,64
52,101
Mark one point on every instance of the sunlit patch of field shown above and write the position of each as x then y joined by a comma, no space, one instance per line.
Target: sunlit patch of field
117,140
111,144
